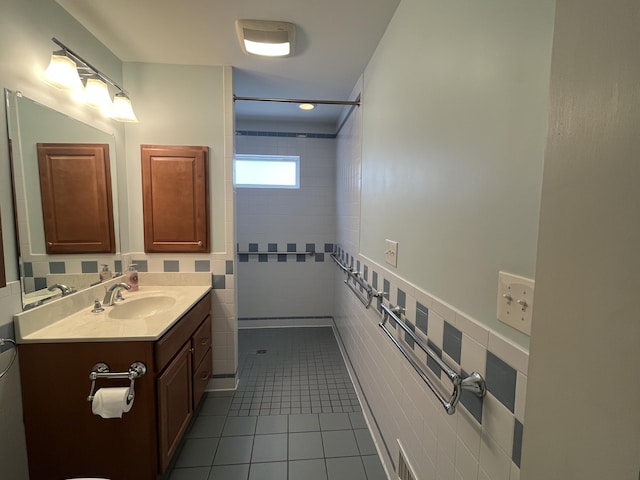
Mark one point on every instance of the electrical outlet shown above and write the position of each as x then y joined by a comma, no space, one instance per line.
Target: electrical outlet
515,301
391,252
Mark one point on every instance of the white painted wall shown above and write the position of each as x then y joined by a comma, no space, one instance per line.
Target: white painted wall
455,110
306,215
583,419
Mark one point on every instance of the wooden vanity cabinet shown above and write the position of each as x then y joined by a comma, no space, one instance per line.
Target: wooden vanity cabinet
185,372
64,438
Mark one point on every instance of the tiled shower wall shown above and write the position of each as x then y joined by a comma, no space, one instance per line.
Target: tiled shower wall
482,440
271,220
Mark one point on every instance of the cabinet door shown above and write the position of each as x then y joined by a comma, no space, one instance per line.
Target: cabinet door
175,198
175,408
77,209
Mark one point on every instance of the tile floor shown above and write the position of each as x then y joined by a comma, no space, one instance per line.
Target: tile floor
295,415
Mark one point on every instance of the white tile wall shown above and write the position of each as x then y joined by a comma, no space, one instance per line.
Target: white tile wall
440,446
306,215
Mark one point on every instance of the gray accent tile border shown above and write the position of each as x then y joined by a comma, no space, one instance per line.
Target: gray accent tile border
501,380
202,266
171,266
57,267
452,342
89,266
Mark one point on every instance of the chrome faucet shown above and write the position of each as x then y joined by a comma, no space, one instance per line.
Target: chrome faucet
63,288
112,291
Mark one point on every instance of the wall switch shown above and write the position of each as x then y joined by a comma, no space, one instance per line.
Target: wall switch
515,301
391,252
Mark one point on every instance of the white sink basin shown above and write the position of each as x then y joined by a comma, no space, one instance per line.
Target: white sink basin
141,307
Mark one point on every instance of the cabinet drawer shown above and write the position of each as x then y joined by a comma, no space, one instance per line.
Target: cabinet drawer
201,341
201,377
181,332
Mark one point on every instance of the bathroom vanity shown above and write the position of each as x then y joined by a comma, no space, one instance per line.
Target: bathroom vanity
64,438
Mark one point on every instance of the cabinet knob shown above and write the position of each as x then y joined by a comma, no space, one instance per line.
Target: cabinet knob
205,378
200,243
204,341
191,350
49,244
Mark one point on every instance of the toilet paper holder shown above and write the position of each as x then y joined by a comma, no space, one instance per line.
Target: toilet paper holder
101,370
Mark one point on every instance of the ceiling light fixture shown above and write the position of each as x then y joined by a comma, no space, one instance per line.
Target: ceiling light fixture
266,38
306,106
67,70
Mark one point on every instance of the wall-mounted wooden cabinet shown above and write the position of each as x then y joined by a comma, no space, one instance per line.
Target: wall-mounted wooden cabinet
77,208
175,189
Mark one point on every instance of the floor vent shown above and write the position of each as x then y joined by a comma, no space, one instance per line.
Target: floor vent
405,470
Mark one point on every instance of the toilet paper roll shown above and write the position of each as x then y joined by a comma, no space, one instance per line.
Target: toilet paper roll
111,402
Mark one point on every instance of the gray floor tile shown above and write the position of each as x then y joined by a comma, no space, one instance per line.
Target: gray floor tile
374,468
269,448
268,471
365,442
207,426
304,423
357,420
229,472
334,421
215,406
339,443
272,424
197,452
308,469
344,468
194,473
305,445
233,450
239,426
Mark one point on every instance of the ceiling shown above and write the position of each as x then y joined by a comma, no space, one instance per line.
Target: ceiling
334,42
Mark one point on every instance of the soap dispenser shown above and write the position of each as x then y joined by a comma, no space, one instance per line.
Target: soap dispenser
132,277
105,274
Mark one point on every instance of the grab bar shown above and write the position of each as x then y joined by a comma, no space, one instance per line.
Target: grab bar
343,267
101,370
473,383
357,279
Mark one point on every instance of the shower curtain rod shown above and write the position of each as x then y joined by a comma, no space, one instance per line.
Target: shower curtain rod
296,100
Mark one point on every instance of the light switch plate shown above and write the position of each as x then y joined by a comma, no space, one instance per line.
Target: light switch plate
515,301
391,252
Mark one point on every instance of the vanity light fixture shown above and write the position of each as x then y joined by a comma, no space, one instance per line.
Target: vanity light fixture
69,71
97,93
266,38
62,72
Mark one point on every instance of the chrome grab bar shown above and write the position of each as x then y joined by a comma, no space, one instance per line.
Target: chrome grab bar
473,383
13,355
357,279
101,370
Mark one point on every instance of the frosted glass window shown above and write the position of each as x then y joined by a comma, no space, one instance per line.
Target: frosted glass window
266,171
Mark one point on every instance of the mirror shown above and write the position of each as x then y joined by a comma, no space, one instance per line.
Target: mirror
30,123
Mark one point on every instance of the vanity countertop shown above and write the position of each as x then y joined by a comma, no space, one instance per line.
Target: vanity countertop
148,325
